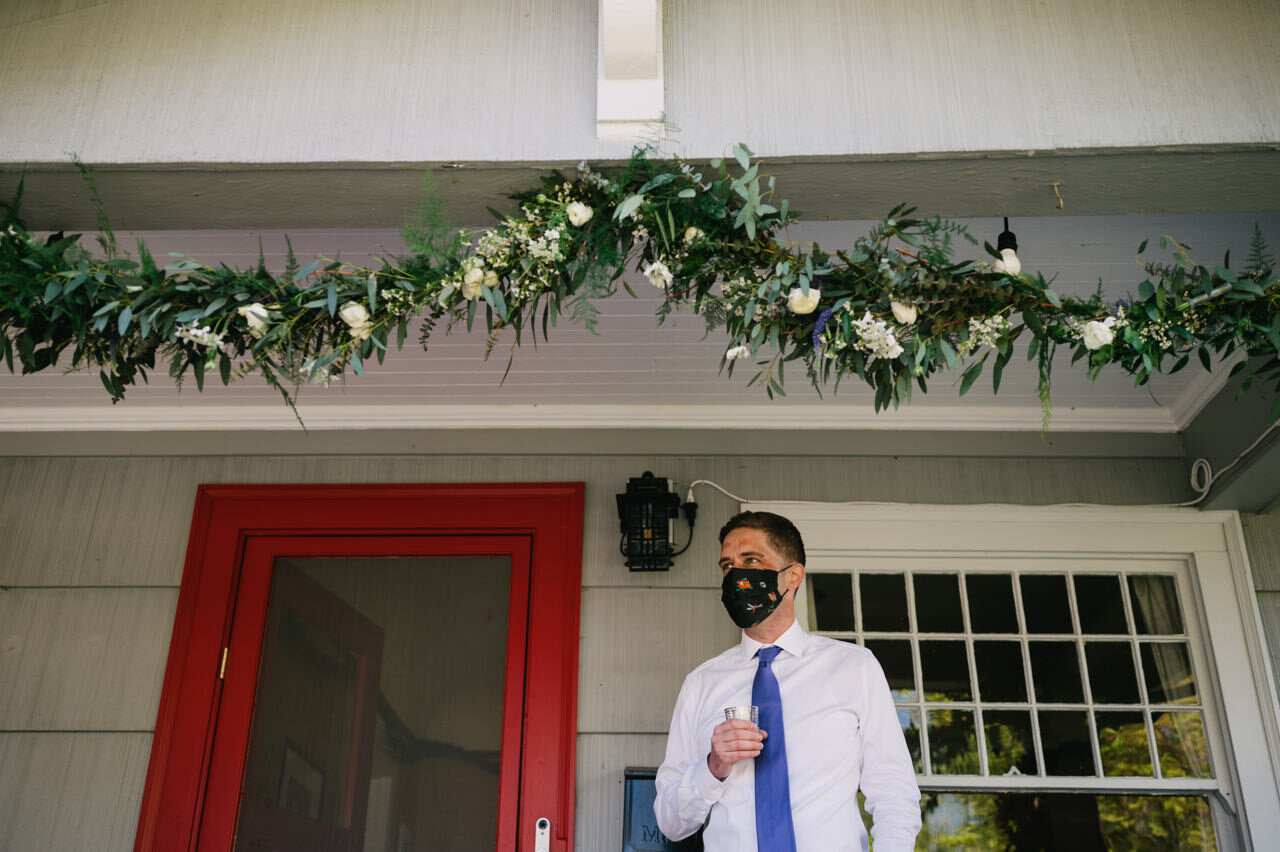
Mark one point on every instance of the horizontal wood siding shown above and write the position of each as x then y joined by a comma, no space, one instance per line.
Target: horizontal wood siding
94,547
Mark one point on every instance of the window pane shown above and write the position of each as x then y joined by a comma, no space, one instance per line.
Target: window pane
991,608
1122,742
1078,822
894,656
945,669
909,718
1112,677
1181,745
1099,603
1055,672
1155,604
1000,672
884,602
1065,736
832,601
953,745
1010,744
1167,669
1045,604
938,603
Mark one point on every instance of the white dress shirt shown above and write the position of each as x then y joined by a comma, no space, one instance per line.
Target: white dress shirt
842,731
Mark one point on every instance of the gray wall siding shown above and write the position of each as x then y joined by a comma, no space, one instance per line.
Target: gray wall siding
93,554
1262,540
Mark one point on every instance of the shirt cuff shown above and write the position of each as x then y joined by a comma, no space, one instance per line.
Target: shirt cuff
709,787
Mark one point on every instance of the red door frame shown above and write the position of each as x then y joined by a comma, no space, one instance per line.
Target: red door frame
226,517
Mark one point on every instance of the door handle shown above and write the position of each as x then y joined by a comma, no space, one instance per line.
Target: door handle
542,835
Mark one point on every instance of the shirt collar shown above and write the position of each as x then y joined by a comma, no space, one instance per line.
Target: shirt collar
793,641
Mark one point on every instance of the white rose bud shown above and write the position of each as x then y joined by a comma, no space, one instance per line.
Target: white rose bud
692,233
799,303
737,353
1097,334
353,314
490,278
658,274
256,316
579,213
472,282
903,312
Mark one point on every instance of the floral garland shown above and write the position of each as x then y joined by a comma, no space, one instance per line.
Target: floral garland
893,310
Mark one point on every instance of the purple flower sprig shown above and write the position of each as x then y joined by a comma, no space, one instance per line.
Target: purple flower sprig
819,326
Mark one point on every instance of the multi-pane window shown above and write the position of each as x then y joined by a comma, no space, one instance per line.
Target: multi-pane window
1079,680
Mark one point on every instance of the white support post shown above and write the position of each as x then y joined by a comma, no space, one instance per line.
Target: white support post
629,82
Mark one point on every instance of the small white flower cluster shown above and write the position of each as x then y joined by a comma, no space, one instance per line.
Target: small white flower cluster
876,338
983,332
591,178
199,335
737,353
471,277
1159,332
495,247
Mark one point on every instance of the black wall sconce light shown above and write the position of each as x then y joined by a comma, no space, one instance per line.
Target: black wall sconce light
645,513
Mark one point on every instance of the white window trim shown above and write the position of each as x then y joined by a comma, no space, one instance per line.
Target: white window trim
1211,542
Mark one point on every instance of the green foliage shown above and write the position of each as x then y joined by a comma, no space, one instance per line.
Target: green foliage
893,310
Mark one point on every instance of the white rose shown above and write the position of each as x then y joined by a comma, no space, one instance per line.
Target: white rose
1097,334
472,282
737,353
1008,263
579,213
903,312
658,274
799,303
490,278
353,314
256,316
691,233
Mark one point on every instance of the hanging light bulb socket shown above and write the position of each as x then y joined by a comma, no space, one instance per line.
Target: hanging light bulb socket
1007,251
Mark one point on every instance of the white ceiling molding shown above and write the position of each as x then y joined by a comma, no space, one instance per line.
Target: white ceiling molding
791,418
630,100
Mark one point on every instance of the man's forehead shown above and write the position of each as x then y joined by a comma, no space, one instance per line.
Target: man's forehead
744,542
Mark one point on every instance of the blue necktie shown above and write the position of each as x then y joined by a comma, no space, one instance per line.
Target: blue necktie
774,831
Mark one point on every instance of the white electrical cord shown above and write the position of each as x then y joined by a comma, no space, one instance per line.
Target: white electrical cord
1202,480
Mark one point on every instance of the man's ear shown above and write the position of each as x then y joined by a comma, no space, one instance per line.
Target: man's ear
797,575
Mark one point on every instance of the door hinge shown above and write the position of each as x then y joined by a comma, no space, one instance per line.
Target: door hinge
222,667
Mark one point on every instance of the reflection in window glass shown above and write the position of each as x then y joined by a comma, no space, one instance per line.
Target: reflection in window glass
1155,604
1122,742
1167,669
1000,675
1055,672
1081,822
1045,603
1112,678
1067,743
944,669
884,602
991,608
910,721
938,603
894,656
953,744
832,601
1181,745
1010,744
1099,603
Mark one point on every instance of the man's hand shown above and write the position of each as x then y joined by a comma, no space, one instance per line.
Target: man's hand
731,741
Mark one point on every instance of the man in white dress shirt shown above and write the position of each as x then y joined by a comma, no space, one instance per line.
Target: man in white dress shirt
841,729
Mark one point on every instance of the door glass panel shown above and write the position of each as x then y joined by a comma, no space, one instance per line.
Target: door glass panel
884,602
1010,743
1099,603
945,668
894,656
1066,740
1111,674
378,719
1155,604
832,601
1055,672
953,745
1045,603
991,608
1181,745
1122,742
938,603
1167,666
1000,676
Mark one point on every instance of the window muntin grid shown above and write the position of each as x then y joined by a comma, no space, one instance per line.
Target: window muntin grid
1049,674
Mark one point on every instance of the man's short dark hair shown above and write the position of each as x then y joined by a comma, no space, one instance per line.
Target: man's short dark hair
782,534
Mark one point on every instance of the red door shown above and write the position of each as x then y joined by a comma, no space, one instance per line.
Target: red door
371,667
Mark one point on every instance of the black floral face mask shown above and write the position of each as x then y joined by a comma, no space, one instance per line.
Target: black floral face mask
750,595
